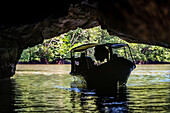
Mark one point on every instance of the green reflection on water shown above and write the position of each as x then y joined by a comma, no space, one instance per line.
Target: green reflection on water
149,98
38,92
149,88
50,88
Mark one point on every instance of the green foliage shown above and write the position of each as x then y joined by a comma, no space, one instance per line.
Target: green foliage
59,47
143,52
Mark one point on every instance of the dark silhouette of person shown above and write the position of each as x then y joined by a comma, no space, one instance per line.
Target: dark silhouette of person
85,62
101,53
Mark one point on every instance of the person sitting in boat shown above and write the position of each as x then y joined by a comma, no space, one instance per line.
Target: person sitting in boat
85,62
101,53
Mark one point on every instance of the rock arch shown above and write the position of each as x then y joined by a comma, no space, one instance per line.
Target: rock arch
26,24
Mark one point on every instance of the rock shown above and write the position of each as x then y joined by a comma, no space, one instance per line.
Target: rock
14,39
9,56
144,21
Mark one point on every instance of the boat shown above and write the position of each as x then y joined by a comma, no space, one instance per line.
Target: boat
102,65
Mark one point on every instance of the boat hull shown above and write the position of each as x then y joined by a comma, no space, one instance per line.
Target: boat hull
109,74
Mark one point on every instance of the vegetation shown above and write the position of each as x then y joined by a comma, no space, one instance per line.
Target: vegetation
52,50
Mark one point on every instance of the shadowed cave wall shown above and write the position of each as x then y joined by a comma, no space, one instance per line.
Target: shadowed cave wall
26,24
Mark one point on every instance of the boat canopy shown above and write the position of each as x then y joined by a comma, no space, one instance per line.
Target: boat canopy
117,45
86,46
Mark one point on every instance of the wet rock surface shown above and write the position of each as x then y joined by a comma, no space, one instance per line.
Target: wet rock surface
9,56
144,21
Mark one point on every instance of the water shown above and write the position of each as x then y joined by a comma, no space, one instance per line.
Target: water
49,88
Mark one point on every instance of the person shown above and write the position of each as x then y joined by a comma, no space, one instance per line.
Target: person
101,53
85,62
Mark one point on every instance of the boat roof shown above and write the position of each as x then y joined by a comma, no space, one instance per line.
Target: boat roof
90,45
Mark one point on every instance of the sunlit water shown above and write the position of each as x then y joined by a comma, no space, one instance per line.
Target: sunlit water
50,88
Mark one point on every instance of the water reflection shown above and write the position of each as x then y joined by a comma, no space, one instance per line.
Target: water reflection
59,92
109,101
7,95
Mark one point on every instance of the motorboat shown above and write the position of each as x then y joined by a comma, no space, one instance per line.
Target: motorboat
102,65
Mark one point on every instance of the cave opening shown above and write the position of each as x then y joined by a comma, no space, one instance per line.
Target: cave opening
125,19
57,49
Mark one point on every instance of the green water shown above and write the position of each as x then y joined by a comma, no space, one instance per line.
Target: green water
50,88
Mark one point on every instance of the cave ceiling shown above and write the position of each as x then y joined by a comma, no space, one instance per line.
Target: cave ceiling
142,21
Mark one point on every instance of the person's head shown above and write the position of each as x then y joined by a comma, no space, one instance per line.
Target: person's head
101,53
